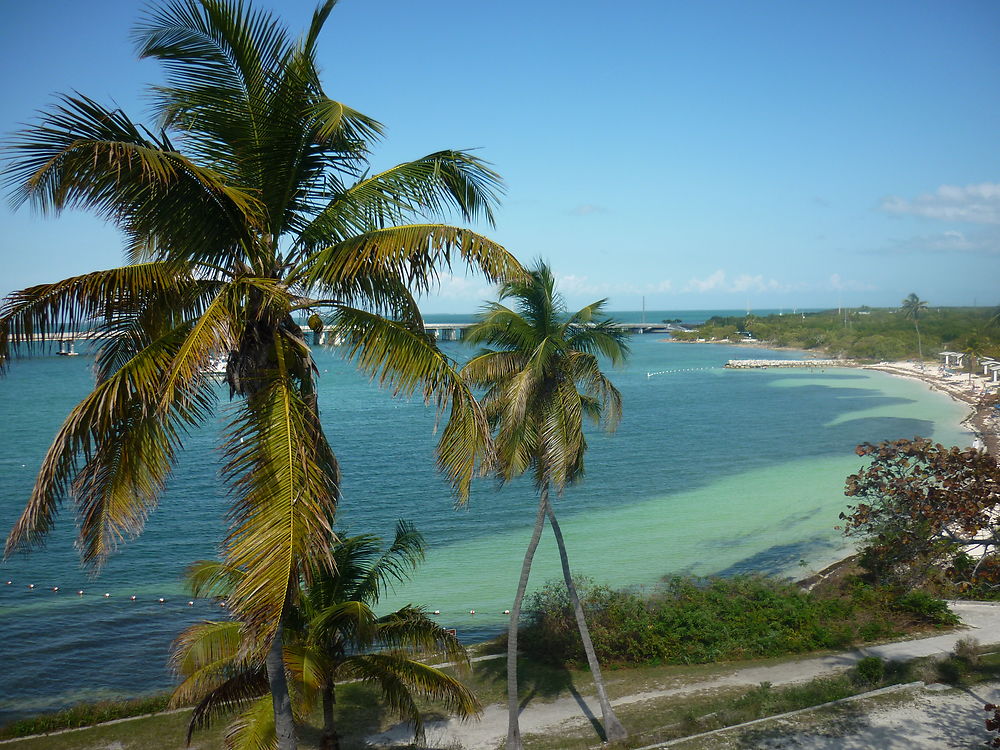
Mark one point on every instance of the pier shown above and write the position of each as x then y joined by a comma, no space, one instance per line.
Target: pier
762,364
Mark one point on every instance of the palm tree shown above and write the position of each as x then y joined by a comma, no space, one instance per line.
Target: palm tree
249,204
911,308
332,635
541,380
973,349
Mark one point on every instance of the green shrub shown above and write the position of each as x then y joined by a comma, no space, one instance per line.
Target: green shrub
697,620
968,650
927,607
869,671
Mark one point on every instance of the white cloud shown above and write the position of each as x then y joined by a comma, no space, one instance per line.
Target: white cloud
587,209
451,287
573,285
983,242
718,282
840,284
978,204
708,284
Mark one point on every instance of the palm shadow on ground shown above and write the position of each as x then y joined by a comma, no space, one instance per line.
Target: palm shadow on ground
544,681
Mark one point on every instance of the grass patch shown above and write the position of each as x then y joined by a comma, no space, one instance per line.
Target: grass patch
358,715
663,719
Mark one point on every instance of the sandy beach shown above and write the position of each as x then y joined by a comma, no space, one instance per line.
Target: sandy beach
973,390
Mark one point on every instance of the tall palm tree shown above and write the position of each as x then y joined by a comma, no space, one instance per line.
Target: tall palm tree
332,635
248,204
911,307
541,380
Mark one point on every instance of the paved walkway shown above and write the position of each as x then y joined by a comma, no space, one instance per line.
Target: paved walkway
982,620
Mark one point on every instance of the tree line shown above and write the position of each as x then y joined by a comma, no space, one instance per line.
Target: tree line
867,333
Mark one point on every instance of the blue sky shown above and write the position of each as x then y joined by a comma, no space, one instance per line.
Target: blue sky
703,155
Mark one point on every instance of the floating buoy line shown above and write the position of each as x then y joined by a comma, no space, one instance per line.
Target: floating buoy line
685,369
189,603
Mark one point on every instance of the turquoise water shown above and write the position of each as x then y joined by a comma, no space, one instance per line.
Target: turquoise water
711,471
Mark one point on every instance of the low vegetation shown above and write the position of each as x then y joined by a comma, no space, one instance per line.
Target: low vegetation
84,715
692,620
864,333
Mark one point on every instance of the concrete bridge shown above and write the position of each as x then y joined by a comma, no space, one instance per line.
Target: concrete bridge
456,331
441,331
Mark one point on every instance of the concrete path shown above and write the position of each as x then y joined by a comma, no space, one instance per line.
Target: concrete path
982,620
922,719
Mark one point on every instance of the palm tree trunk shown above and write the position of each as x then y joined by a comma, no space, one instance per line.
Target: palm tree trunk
284,722
920,348
613,729
330,739
513,730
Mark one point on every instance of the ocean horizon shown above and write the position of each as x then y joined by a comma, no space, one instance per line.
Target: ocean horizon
711,472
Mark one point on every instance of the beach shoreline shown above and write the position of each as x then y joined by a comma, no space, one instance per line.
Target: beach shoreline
983,419
969,389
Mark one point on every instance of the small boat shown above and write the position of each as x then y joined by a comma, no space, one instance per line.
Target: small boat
216,366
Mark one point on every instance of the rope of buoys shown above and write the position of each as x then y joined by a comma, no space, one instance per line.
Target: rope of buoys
191,602
685,369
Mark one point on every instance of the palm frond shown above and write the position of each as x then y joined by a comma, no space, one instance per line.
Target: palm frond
489,367
379,293
532,378
352,622
285,480
394,564
415,252
94,301
81,154
410,363
502,327
222,325
254,728
341,126
212,578
410,628
429,187
586,371
135,323
205,655
561,439
399,679
603,338
113,453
